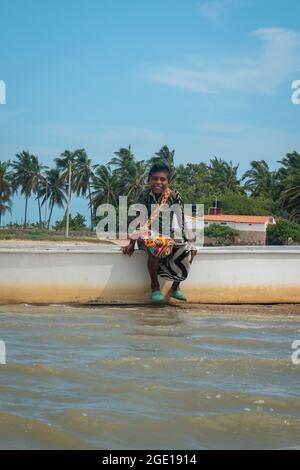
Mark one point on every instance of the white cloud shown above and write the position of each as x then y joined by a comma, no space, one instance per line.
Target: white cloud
215,10
273,62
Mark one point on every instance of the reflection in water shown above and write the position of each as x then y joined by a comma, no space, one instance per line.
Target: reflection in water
162,377
160,321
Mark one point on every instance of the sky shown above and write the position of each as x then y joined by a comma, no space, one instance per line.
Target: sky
206,77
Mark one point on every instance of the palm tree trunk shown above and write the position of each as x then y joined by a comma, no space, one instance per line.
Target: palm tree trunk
0,218
65,216
25,216
52,205
40,213
91,207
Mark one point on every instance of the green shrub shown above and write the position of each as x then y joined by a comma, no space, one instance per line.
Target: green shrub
280,233
76,223
220,231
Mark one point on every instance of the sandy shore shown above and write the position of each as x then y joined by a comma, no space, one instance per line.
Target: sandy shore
16,241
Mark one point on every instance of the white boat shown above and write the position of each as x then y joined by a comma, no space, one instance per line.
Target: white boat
101,274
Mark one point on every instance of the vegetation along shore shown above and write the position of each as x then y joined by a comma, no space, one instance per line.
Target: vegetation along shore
259,191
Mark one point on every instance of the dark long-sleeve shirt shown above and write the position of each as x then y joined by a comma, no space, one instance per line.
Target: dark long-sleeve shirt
149,199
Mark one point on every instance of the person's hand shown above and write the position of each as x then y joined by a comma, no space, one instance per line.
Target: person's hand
128,249
193,254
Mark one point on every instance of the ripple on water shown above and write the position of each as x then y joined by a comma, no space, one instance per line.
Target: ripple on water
136,378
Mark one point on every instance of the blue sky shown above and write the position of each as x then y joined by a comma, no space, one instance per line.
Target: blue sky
207,78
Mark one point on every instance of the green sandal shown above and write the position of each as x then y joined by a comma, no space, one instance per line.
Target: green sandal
177,294
157,296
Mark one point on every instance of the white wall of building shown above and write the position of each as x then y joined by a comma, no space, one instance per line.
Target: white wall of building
240,226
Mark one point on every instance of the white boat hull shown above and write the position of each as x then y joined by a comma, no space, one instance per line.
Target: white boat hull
98,274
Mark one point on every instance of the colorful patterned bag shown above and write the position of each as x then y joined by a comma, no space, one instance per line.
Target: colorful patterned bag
160,246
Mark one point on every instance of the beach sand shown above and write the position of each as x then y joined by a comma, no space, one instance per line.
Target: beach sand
16,241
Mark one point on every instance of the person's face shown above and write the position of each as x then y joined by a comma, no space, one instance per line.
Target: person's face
159,182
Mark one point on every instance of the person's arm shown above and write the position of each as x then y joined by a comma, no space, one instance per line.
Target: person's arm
188,235
129,249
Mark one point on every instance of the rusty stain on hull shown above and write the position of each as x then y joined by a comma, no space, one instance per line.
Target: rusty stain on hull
28,293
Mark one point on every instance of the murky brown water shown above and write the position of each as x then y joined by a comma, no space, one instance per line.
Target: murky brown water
126,378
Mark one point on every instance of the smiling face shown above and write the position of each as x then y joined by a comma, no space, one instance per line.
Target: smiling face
159,182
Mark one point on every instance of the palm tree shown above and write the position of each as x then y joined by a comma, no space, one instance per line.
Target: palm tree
259,179
191,181
104,183
82,178
130,174
36,177
62,162
5,205
164,155
53,191
289,182
134,182
122,161
27,176
222,176
6,189
66,165
21,168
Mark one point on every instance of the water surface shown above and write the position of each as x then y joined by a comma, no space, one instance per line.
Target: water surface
152,378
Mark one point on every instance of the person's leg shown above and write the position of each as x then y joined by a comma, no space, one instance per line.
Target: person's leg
175,286
152,265
176,292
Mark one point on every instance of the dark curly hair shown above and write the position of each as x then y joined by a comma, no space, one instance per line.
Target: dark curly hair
160,166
